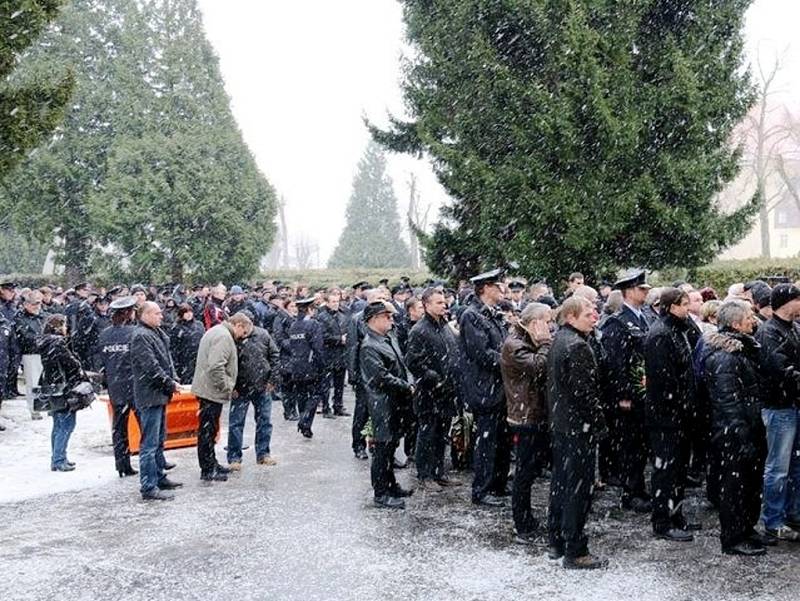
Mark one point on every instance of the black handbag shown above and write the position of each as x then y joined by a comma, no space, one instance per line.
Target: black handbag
80,397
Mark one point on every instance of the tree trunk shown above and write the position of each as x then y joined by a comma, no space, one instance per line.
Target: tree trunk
176,270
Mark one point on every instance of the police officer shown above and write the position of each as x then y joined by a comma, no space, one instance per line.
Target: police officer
482,333
306,363
114,362
90,325
6,337
280,334
359,297
623,336
8,310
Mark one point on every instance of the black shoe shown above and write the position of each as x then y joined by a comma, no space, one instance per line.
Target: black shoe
389,502
762,539
675,534
71,463
328,415
746,548
637,504
489,501
214,477
2,428
361,454
554,552
306,432
221,469
783,533
399,491
127,471
167,484
294,417
341,413
170,466
157,495
586,562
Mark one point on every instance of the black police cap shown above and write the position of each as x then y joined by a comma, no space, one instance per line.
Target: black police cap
634,278
126,302
516,285
489,277
360,285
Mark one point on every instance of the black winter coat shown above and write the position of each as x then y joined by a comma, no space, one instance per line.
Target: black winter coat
433,359
731,376
258,362
27,329
84,340
61,369
334,326
779,361
113,358
280,334
6,348
572,386
184,340
356,330
482,334
385,381
154,375
670,375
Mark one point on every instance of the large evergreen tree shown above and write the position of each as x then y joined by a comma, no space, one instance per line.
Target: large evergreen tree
185,194
576,134
371,237
29,107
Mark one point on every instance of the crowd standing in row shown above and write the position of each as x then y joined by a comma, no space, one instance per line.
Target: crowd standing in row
590,390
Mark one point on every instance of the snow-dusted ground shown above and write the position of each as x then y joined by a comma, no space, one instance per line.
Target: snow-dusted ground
306,530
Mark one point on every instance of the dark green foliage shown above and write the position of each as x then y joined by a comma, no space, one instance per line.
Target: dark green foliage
576,134
148,178
371,237
29,107
19,253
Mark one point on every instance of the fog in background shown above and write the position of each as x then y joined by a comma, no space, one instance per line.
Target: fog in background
302,74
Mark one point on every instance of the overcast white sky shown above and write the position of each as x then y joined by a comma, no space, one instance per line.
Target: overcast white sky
301,73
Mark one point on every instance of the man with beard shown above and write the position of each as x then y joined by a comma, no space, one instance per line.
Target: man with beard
482,333
432,359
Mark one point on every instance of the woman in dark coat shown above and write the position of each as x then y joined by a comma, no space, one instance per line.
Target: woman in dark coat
184,340
61,372
737,433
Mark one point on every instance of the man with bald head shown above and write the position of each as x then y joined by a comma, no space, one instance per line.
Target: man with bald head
154,382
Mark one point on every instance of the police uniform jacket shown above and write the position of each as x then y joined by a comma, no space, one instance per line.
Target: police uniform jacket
27,328
306,361
114,360
6,339
385,381
433,359
280,334
482,333
623,336
334,326
153,372
184,340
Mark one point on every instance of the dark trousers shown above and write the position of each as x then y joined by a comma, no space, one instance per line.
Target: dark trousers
608,450
119,435
492,455
671,452
741,480
571,493
431,444
382,468
633,453
12,373
530,462
700,441
713,480
410,429
360,417
307,396
334,379
288,398
209,426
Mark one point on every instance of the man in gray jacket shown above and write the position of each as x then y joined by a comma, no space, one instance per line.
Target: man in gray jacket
214,380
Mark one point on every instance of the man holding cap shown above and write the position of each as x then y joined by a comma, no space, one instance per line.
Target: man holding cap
623,338
780,373
386,384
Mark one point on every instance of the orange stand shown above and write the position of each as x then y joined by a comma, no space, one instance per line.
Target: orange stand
183,423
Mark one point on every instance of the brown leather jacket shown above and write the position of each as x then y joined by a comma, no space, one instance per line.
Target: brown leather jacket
524,368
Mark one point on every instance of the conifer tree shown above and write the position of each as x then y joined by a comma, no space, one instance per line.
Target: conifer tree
576,135
371,237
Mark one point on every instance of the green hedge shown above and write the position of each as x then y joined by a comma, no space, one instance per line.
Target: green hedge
324,278
721,274
32,280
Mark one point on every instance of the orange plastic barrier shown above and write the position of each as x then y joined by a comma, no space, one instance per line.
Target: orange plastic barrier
183,423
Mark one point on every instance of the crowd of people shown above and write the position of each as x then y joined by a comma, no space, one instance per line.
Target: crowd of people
601,387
